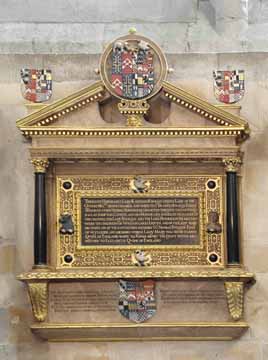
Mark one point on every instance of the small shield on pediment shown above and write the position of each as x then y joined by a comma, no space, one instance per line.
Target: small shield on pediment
137,300
36,85
229,86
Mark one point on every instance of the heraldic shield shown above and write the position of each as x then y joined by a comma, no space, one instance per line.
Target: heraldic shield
137,300
36,85
229,86
132,69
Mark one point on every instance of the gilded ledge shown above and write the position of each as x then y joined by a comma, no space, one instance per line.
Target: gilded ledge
236,274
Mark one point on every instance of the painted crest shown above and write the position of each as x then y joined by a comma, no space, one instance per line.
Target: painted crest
36,85
137,300
229,86
132,69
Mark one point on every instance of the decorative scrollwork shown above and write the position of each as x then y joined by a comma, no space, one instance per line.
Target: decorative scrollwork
235,298
38,292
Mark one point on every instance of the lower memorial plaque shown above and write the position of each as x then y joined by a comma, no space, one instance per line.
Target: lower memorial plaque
100,301
140,221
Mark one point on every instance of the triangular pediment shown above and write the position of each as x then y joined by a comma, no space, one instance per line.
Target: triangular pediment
63,107
51,120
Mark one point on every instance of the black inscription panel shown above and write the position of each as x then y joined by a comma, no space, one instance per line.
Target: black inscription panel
140,221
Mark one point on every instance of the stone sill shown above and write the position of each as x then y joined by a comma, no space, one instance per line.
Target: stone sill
137,332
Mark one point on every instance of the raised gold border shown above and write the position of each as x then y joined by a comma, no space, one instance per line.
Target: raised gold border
165,256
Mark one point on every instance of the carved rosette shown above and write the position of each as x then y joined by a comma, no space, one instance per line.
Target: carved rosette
235,298
134,110
38,292
40,165
232,164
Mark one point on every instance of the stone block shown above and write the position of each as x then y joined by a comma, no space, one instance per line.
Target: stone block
12,292
254,198
265,351
259,292
8,352
257,11
4,328
92,11
7,258
230,9
257,316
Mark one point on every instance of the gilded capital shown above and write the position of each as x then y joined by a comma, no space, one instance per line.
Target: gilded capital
232,164
40,165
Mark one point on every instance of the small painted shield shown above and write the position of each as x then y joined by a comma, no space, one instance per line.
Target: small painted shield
132,69
229,86
137,300
36,85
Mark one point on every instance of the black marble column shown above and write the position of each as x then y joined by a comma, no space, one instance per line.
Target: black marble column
233,246
40,220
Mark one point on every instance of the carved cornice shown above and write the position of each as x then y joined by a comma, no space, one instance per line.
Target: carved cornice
40,165
232,164
202,107
38,292
227,124
137,154
62,107
235,299
200,132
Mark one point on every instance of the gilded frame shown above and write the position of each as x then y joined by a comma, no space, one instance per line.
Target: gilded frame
120,256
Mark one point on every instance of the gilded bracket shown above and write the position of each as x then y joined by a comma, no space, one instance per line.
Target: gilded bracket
235,298
134,110
38,292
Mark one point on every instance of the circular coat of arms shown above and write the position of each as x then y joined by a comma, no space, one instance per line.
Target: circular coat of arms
133,67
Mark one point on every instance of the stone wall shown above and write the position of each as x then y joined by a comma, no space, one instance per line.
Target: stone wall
67,36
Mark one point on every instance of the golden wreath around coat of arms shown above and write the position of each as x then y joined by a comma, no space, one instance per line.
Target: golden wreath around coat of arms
133,67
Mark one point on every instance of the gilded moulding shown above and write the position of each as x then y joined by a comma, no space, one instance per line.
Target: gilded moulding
138,272
235,298
200,132
132,155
